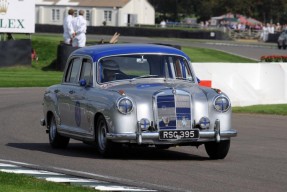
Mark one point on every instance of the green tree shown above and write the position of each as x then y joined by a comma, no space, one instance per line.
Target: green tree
262,10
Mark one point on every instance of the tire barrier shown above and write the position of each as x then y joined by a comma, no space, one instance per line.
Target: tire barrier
15,52
272,38
63,53
141,32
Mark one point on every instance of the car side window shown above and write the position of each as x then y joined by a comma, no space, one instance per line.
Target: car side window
86,72
182,70
188,70
177,67
73,71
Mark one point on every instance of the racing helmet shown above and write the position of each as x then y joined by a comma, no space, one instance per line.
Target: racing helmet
110,65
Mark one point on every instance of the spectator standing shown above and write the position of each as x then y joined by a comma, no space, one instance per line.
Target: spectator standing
69,32
265,32
278,28
202,24
206,24
80,27
238,27
163,24
243,27
271,29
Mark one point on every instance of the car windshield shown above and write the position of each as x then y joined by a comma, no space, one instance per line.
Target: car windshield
143,66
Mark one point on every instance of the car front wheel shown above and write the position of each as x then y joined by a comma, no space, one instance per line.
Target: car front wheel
105,146
56,140
217,150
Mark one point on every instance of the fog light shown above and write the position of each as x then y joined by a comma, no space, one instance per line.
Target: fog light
204,123
144,124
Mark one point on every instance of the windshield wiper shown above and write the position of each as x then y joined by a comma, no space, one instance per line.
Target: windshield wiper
145,76
182,78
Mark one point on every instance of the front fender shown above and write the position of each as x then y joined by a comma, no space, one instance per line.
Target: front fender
50,105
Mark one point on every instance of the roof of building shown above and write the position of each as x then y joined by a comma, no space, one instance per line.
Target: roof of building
84,3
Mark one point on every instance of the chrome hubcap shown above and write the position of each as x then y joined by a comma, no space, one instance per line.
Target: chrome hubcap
102,136
53,129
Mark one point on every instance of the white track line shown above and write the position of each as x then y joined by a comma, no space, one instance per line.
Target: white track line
62,178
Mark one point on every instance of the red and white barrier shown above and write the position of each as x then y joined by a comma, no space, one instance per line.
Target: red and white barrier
247,83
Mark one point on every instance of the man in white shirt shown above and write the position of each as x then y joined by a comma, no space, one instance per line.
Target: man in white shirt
69,32
80,27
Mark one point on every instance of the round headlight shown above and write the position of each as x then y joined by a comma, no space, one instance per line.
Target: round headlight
125,105
221,103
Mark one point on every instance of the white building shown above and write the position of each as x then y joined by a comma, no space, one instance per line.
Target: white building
112,12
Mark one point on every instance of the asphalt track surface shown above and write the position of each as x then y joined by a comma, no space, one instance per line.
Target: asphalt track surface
257,160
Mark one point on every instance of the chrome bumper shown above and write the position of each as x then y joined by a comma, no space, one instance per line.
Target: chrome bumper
155,135
204,135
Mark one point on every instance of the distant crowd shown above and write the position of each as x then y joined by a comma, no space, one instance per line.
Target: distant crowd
271,28
264,29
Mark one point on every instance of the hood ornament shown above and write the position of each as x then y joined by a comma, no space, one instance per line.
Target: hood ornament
173,91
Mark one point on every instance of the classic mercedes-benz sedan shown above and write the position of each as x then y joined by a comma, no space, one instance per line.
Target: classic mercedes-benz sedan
136,94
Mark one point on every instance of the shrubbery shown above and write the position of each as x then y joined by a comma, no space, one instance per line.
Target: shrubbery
274,58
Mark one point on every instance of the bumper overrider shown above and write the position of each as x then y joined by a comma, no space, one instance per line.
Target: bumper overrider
145,136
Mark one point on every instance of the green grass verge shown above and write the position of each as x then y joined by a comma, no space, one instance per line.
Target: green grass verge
22,183
209,55
277,109
28,77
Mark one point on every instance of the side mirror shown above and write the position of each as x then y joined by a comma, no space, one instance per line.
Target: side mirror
83,83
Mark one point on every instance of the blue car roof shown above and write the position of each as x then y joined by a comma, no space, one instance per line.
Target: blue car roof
99,51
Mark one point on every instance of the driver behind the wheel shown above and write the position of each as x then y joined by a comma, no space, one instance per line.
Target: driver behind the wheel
110,69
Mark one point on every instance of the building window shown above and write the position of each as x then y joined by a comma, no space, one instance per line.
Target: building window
55,14
58,14
88,15
108,15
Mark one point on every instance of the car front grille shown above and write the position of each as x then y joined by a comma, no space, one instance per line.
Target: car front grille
173,111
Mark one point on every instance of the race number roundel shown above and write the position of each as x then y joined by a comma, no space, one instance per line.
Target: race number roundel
78,113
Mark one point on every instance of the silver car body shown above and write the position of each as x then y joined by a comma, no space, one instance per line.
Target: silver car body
164,107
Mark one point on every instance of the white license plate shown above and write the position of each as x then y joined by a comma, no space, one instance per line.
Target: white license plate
179,134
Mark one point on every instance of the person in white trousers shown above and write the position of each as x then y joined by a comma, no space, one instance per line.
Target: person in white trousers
80,27
69,32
